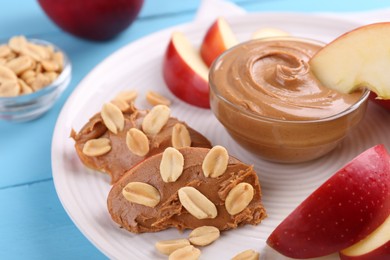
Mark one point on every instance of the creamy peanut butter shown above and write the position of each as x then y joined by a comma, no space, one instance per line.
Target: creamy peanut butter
273,79
170,212
120,158
265,95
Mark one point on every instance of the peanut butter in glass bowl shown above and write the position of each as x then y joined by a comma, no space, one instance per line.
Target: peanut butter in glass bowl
265,95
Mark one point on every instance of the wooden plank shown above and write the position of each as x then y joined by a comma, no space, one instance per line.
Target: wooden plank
35,226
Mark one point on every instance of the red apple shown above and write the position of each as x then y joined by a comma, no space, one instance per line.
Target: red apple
92,19
374,246
344,210
218,38
185,73
359,58
381,102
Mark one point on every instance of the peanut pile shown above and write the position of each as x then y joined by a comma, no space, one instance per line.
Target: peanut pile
26,67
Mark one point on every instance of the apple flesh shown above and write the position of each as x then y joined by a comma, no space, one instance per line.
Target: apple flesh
185,73
380,253
375,246
92,19
342,211
218,38
357,59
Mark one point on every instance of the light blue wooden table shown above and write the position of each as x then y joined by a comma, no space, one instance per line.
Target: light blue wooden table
33,223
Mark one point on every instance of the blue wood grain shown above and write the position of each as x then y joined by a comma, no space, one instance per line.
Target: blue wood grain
33,225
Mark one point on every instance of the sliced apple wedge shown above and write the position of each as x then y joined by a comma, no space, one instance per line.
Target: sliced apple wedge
185,73
269,32
359,58
219,37
375,246
342,211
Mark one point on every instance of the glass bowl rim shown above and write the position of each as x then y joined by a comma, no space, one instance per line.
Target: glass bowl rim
250,114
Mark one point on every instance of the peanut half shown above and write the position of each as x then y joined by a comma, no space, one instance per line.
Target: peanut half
24,88
137,142
16,43
28,74
35,51
40,81
49,65
156,119
112,117
239,198
155,99
121,104
20,64
4,51
127,95
215,162
141,193
96,147
167,247
9,86
187,253
203,236
180,136
196,203
247,255
171,165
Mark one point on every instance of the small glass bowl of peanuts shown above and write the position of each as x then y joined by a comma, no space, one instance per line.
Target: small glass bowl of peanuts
33,74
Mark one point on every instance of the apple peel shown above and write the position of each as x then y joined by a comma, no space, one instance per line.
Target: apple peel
380,102
185,73
218,38
356,59
342,211
374,246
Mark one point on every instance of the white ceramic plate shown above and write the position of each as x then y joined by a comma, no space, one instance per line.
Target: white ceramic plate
83,192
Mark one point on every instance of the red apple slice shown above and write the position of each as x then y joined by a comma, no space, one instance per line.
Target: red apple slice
218,38
185,73
359,58
375,246
342,211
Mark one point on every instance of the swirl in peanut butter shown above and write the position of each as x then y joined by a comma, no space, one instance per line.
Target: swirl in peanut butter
273,79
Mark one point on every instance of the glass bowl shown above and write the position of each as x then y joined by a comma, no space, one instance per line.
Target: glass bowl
275,139
31,106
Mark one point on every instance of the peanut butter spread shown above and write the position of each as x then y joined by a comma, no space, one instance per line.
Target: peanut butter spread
273,79
169,211
120,158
